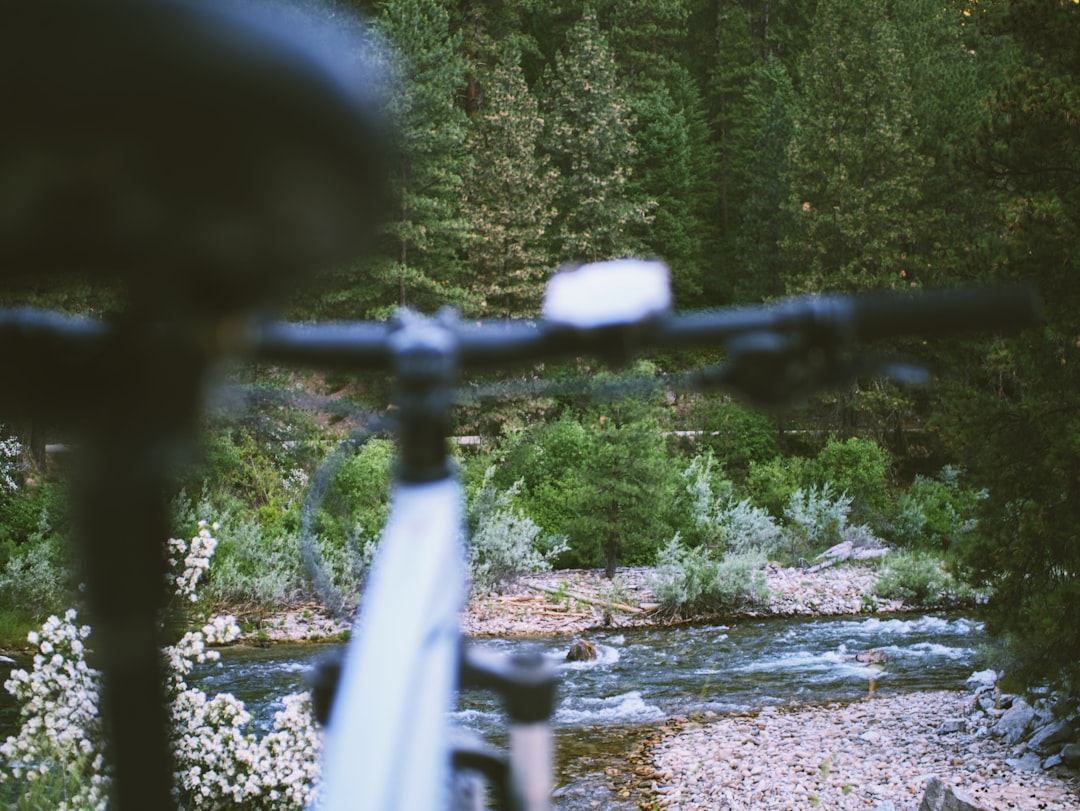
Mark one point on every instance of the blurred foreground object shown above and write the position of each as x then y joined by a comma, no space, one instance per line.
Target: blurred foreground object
202,153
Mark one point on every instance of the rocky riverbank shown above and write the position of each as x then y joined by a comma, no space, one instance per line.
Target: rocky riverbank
577,600
572,602
880,753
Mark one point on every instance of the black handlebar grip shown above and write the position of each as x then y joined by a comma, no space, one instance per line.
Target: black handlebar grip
943,312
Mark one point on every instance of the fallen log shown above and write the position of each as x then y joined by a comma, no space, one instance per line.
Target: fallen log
597,601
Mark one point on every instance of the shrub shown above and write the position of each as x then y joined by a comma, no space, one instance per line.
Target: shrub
859,468
817,517
725,523
56,759
738,436
255,565
693,579
770,484
358,496
747,527
920,578
505,543
36,575
935,513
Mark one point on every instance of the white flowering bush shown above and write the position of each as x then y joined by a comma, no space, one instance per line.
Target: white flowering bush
57,754
57,759
10,453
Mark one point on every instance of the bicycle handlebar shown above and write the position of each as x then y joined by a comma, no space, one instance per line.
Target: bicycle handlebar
826,320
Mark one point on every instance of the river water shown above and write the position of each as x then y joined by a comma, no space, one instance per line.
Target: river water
643,676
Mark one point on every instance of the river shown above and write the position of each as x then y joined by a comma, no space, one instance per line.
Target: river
643,676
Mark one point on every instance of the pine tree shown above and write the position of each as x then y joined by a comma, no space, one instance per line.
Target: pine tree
587,135
762,174
508,194
950,69
856,174
672,165
422,265
1022,423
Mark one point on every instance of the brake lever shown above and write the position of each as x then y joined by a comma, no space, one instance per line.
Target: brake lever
772,369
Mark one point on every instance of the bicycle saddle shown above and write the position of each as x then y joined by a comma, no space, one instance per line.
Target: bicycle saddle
200,153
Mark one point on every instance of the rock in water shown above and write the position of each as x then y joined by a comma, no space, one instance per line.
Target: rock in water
581,651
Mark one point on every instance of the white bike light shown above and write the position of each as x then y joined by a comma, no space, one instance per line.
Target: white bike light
621,292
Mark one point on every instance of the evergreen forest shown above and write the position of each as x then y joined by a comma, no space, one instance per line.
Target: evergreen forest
761,148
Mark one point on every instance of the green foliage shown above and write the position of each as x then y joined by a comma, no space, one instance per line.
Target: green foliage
606,483
625,488
357,498
420,264
255,565
1017,408
818,518
507,194
725,524
547,459
771,484
504,543
856,173
738,436
588,136
935,513
36,575
859,468
691,580
921,579
764,171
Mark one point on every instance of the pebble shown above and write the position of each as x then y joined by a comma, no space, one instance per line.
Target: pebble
874,753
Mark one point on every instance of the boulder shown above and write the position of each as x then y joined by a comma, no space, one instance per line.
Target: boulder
939,796
1070,755
1028,762
581,651
982,678
1014,724
1048,739
872,657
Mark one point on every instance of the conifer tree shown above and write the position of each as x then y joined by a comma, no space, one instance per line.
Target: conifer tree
856,174
673,163
1022,423
587,135
508,194
763,175
422,265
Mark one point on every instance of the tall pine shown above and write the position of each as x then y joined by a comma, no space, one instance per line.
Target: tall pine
587,136
508,193
422,265
856,173
1023,422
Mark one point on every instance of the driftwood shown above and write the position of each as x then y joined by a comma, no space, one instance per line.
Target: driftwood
584,598
561,614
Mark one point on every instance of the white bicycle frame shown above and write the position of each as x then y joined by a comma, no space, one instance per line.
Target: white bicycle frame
388,733
388,739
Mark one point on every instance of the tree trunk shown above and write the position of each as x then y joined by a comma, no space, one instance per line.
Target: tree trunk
611,549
